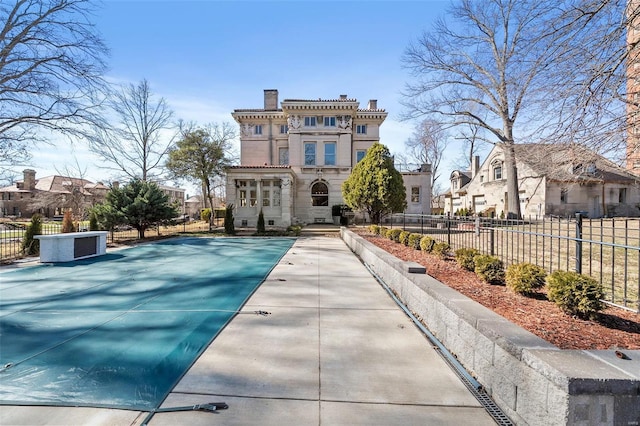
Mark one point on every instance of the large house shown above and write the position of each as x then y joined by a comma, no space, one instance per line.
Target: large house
295,155
552,180
49,196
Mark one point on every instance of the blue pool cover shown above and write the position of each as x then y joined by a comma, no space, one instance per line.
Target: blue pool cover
121,330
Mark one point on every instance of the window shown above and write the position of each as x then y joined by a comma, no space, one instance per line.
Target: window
276,197
361,129
319,194
622,196
243,198
309,154
330,154
564,195
360,155
284,129
415,194
309,122
329,122
252,198
283,156
497,172
258,129
266,197
271,222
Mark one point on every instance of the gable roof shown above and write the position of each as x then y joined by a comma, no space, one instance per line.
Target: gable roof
565,163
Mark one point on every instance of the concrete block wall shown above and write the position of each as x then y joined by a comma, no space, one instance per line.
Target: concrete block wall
531,380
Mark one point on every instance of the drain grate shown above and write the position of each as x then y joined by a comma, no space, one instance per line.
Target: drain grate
472,384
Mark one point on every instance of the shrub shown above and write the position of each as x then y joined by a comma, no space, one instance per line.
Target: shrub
441,249
489,268
414,241
374,229
403,238
67,222
295,230
394,234
464,258
93,221
426,243
575,294
229,227
205,214
525,278
30,245
383,231
260,227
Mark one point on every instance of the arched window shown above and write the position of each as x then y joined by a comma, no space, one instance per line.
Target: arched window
319,194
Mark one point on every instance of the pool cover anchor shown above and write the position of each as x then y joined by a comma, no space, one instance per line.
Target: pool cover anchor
211,407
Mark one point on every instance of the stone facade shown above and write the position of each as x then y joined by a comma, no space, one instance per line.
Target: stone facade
295,156
553,180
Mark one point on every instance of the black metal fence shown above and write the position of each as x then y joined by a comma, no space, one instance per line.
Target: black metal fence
605,249
12,234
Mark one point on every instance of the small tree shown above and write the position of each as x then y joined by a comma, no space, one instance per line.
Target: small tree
31,245
375,185
67,222
139,204
261,228
229,228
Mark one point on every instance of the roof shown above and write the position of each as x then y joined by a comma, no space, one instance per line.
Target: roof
564,163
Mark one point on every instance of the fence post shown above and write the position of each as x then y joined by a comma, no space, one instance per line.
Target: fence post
449,230
422,223
578,243
492,238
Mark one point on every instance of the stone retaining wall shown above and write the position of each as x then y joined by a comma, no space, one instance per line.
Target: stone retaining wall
531,380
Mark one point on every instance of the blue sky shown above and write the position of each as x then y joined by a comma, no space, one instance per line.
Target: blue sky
208,57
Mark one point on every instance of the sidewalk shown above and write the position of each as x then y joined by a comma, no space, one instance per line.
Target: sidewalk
333,350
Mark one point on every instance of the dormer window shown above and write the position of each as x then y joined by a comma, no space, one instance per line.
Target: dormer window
497,172
496,166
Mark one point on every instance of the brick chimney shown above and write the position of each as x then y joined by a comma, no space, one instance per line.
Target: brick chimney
29,177
271,99
373,104
475,165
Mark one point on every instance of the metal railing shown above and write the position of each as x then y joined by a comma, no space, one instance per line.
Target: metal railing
605,249
12,234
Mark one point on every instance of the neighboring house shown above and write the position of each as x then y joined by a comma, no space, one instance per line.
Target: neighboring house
49,196
176,195
295,156
553,180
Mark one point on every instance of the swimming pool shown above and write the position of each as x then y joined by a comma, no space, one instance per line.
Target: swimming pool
120,330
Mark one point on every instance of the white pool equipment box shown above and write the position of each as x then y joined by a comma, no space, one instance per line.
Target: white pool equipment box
72,246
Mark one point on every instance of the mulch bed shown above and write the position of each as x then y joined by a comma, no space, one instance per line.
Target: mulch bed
614,328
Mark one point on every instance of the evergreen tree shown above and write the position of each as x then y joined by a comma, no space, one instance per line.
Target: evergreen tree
261,228
229,228
30,245
139,204
375,185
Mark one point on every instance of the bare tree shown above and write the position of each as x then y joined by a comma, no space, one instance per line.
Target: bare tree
51,68
427,146
140,139
489,61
